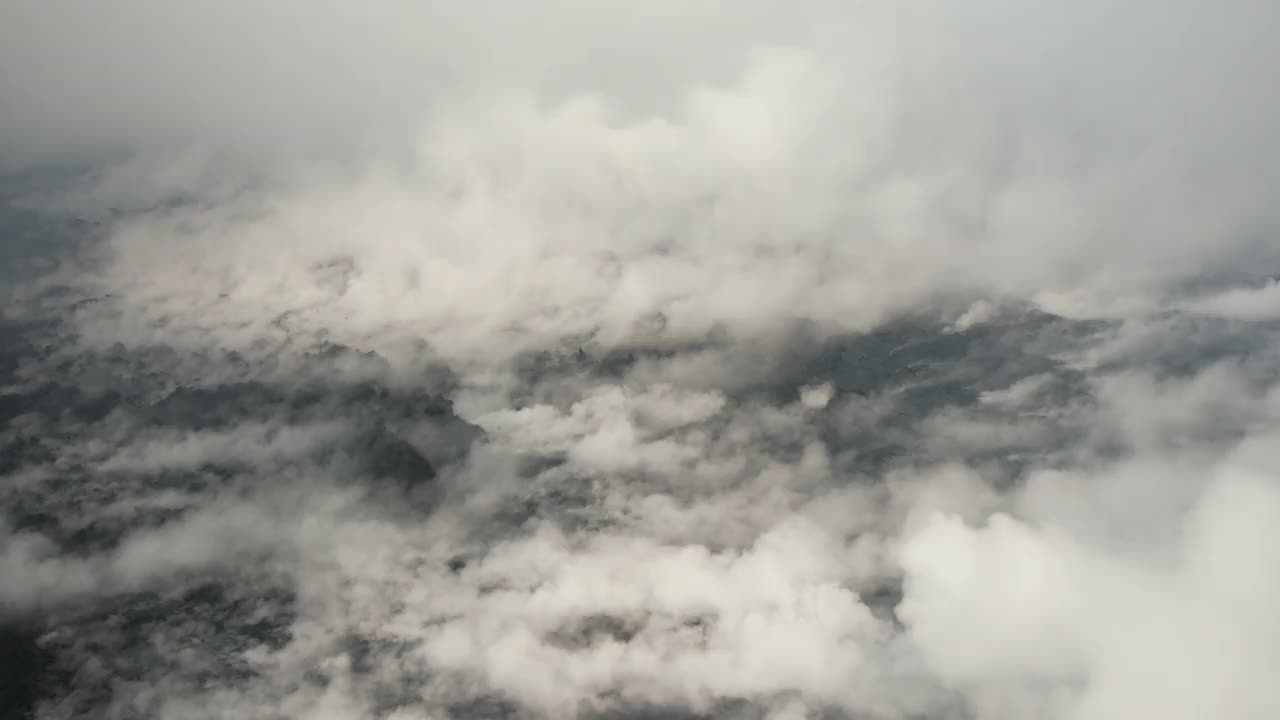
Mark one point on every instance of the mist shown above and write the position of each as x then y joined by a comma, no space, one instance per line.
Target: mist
607,360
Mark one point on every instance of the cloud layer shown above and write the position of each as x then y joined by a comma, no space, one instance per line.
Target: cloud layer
694,359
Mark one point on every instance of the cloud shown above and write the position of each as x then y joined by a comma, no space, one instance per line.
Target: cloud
687,547
778,175
39,575
1259,304
308,80
791,361
250,443
1018,610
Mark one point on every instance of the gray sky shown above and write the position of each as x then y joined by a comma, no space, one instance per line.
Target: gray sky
326,76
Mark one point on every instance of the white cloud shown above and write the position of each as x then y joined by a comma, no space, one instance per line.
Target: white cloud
250,443
780,176
1026,608
463,186
38,574
816,397
1243,303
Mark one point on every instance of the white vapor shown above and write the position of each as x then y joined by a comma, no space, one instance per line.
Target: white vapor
787,170
717,188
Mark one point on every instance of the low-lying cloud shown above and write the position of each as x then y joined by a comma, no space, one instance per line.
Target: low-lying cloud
695,359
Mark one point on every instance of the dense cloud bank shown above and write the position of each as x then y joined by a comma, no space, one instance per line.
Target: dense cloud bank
695,360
